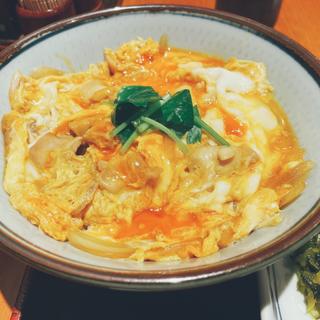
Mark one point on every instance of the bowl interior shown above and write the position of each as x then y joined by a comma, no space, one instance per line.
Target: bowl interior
83,44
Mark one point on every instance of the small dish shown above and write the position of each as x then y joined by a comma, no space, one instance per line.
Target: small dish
279,295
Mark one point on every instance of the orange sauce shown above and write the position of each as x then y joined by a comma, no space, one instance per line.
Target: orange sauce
233,125
109,153
151,221
63,128
82,103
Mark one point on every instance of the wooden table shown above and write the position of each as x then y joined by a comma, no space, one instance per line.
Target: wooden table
300,20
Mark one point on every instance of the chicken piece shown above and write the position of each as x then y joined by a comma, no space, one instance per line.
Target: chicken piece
130,171
40,151
161,152
131,55
222,160
93,91
94,129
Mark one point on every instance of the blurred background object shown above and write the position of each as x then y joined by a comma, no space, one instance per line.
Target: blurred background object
196,3
8,20
264,11
42,5
83,6
11,276
297,19
20,17
34,14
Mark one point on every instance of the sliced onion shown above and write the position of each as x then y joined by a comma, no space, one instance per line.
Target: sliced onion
81,126
204,156
90,89
293,181
100,247
16,90
243,158
225,153
138,172
85,199
111,60
111,181
293,193
163,43
45,72
39,151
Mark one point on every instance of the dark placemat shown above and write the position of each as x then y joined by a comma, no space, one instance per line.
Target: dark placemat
44,297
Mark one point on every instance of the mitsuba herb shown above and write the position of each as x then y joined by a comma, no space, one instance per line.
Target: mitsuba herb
140,108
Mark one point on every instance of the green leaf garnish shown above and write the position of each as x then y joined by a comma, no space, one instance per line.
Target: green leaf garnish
139,109
132,99
139,96
127,144
194,135
200,123
170,133
125,134
177,112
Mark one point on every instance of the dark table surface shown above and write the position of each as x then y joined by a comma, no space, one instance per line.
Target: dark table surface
44,297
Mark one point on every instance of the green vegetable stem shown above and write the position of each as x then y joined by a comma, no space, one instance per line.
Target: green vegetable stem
140,108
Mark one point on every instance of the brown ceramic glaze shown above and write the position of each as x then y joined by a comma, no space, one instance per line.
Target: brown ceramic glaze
182,278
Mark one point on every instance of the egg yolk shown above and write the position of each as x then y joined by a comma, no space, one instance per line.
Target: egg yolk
152,221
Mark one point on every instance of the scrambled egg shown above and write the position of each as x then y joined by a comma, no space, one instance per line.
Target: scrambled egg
65,173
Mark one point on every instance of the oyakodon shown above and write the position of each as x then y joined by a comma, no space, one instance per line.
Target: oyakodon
156,153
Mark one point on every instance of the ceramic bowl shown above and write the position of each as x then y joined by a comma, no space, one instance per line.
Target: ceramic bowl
292,70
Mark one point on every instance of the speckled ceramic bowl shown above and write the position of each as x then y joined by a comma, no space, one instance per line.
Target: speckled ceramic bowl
293,71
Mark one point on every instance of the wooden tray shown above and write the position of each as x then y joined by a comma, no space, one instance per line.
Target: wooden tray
46,297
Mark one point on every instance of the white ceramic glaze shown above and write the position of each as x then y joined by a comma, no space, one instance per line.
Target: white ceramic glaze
83,44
